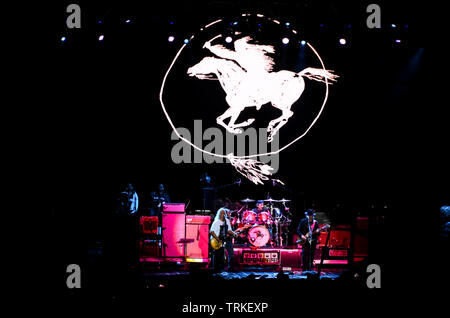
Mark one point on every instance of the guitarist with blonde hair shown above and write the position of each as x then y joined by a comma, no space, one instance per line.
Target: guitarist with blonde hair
220,229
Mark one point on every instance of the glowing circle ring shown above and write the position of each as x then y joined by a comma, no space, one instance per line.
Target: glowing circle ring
242,156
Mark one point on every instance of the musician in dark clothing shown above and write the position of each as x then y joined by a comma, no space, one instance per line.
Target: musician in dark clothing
259,207
306,226
157,199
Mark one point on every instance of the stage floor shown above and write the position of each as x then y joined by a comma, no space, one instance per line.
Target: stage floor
252,274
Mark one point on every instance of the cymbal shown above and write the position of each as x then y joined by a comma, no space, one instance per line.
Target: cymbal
284,200
247,200
270,200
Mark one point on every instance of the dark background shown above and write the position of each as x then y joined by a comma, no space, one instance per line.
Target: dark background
103,106
106,102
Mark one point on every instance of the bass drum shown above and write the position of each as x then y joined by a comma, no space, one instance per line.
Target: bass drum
258,235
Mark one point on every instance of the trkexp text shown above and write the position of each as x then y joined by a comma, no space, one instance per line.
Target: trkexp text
229,307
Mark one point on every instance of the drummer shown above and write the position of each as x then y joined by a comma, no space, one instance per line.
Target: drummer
259,207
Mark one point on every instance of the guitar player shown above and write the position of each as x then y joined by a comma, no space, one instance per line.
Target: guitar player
307,226
221,231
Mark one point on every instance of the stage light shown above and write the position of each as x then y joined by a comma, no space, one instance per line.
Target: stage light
285,41
287,24
63,39
303,42
398,41
228,39
393,26
235,23
342,41
101,37
99,21
128,21
171,38
186,41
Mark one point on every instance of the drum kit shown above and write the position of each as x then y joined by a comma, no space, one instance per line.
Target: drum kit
269,226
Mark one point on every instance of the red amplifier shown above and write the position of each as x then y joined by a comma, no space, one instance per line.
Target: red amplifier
291,258
149,224
339,238
198,219
362,223
197,232
338,252
173,234
149,248
174,207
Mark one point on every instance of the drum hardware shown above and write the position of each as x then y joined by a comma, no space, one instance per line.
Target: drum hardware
272,218
249,217
270,200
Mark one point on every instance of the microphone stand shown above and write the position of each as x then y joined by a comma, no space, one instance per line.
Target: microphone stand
310,241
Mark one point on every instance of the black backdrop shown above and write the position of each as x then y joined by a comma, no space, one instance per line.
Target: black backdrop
103,105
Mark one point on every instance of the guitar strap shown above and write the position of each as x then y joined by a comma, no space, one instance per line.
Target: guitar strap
223,230
309,225
310,228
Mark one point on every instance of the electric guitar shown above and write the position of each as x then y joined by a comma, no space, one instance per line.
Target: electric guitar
309,235
215,244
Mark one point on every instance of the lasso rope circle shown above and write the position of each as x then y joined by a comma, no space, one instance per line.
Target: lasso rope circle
236,159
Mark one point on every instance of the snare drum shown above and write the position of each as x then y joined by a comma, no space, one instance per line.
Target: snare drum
249,217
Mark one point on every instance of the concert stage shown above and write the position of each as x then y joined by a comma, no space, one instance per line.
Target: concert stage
267,259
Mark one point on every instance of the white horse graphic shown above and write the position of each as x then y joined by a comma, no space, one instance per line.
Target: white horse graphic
246,77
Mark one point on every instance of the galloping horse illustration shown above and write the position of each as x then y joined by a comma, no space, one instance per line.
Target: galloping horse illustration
246,77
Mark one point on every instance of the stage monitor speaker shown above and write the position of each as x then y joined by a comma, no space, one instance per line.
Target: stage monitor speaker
291,258
173,233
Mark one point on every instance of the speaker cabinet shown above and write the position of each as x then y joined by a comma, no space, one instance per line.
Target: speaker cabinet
149,248
173,234
291,258
197,234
